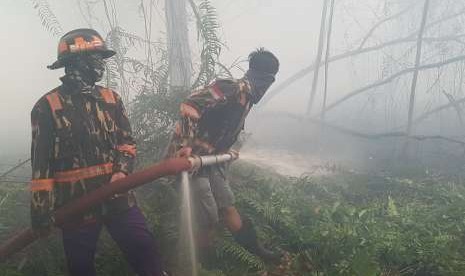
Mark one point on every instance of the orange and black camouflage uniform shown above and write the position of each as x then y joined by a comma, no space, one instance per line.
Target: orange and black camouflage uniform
211,120
213,117
81,139
78,141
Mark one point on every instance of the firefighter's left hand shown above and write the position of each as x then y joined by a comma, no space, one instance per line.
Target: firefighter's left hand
117,176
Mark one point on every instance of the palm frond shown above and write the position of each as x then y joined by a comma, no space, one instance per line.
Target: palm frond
47,17
227,249
207,27
133,39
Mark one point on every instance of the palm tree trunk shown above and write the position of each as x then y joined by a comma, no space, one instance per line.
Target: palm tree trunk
180,64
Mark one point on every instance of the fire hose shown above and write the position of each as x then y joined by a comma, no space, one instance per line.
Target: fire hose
63,214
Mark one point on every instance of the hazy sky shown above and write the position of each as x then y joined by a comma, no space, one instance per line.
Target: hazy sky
26,50
288,27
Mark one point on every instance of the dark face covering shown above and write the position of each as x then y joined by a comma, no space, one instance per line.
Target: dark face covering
83,72
259,82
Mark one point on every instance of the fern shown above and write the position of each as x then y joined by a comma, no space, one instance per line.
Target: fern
154,110
47,17
131,76
227,249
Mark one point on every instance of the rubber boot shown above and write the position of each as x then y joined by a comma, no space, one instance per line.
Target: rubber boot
247,237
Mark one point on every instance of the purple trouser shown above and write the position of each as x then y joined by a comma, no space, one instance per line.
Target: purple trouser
130,233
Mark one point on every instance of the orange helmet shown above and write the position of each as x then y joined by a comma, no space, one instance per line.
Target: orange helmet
80,41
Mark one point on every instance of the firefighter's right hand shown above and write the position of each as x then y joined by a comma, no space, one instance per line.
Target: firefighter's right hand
184,152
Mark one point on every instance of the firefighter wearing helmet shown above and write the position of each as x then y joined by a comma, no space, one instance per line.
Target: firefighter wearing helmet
81,140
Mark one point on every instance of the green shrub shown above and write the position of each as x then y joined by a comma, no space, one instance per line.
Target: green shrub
345,224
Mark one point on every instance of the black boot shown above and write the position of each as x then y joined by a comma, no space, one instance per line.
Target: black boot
247,237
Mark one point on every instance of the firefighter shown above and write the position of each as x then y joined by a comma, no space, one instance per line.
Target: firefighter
211,121
81,140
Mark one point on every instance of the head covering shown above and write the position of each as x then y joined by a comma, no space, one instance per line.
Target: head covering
263,61
263,67
77,42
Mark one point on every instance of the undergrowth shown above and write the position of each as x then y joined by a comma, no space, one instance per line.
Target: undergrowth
344,224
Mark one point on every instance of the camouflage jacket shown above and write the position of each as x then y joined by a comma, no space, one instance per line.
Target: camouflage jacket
212,117
78,141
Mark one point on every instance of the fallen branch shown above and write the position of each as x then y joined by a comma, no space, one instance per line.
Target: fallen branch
369,136
393,77
14,182
20,164
352,53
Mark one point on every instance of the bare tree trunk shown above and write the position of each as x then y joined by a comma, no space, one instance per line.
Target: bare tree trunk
328,48
180,64
319,55
417,65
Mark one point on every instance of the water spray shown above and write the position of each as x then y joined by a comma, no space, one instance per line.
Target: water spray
187,223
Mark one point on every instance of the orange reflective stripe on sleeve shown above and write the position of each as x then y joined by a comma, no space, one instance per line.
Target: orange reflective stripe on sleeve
54,101
42,184
84,173
129,149
216,92
108,95
188,110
